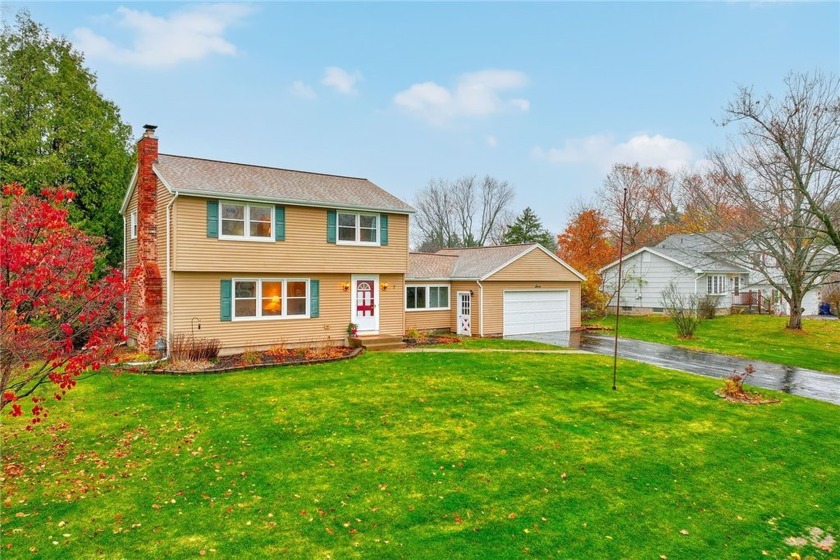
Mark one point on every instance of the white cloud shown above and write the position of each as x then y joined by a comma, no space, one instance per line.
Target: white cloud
300,89
603,151
522,104
491,140
189,34
341,80
476,94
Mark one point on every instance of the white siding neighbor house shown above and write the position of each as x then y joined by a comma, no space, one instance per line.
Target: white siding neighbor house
693,264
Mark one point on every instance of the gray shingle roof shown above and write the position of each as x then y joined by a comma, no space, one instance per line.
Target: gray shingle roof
469,263
699,251
203,177
430,266
477,262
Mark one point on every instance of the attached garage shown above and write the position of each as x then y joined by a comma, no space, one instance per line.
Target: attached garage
536,311
506,290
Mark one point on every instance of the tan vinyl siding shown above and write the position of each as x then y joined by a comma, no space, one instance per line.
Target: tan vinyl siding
475,310
494,302
163,198
130,244
131,259
305,246
439,319
197,294
432,319
535,266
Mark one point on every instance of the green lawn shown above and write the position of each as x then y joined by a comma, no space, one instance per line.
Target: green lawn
412,455
761,337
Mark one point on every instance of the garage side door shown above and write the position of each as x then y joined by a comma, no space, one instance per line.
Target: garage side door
536,312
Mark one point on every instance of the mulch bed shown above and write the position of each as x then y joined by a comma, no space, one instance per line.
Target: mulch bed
247,360
432,339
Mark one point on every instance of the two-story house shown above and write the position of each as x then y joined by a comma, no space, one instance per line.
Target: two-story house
256,256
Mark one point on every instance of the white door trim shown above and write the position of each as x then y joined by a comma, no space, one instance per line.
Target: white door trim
374,278
462,329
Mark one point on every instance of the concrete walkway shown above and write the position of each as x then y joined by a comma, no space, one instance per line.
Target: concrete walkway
813,384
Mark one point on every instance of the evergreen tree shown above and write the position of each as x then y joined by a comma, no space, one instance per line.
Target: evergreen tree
58,130
527,228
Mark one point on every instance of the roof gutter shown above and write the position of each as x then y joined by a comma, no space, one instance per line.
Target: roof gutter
168,334
293,202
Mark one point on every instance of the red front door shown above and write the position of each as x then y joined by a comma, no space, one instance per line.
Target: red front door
365,308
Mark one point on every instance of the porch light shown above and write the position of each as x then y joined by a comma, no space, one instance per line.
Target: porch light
345,286
384,286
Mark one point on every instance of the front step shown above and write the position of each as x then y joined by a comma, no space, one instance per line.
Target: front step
382,343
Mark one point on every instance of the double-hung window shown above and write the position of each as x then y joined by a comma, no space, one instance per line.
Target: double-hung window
716,285
246,221
270,298
426,297
362,229
134,225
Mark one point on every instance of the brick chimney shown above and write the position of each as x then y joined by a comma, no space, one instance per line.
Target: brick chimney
150,284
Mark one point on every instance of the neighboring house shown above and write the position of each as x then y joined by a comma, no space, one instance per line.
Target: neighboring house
257,256
695,265
492,291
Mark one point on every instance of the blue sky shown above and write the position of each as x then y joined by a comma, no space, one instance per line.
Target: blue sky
544,95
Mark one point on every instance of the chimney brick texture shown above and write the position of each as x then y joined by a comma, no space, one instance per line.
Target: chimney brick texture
150,283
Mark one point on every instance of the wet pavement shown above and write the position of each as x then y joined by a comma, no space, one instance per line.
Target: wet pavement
797,381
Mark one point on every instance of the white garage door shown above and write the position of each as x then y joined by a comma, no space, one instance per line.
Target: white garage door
536,312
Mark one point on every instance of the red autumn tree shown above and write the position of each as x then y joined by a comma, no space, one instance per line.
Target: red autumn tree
57,320
585,244
652,211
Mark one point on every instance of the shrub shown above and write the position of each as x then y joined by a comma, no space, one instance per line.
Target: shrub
682,309
250,357
184,347
707,306
278,352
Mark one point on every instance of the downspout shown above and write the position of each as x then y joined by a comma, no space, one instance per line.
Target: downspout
125,277
169,274
480,308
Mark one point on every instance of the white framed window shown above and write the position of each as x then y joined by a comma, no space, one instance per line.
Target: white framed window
133,229
357,229
270,298
239,220
716,285
426,297
736,286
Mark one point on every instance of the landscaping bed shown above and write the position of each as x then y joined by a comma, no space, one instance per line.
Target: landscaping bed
424,339
249,359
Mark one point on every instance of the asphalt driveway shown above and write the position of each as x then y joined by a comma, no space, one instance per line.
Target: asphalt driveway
797,381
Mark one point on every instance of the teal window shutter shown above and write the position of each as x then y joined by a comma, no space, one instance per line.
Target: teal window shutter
331,227
226,300
213,218
314,298
383,229
279,223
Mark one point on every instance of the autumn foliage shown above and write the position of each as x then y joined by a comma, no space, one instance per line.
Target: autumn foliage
586,246
56,320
